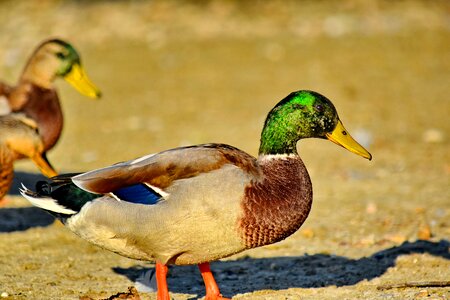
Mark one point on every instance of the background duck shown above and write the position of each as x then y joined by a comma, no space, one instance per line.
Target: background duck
36,96
197,204
19,137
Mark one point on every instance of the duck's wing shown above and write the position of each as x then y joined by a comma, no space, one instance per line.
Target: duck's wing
159,171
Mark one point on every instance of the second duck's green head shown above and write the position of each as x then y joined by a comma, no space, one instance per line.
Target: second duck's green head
304,114
57,58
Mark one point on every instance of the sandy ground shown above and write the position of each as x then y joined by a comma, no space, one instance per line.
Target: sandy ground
176,73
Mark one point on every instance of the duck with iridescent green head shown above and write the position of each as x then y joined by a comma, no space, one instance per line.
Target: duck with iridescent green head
197,204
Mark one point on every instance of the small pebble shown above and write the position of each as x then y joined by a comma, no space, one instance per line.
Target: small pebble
4,295
371,208
433,136
307,233
422,293
424,232
420,210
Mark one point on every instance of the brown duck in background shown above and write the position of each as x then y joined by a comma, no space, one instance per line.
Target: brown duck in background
36,96
31,118
19,137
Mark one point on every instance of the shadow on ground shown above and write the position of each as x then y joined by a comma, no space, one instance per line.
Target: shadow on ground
277,273
23,218
25,178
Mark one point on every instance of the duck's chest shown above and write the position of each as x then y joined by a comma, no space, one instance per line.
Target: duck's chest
277,206
43,106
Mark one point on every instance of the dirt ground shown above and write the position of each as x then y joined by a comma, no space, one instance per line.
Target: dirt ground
178,73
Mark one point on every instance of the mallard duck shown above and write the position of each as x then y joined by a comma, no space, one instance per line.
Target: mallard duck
197,204
35,95
19,137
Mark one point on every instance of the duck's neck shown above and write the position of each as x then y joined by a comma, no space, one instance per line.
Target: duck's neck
281,132
278,139
39,72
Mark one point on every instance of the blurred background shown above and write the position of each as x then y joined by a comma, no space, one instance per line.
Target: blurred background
176,73
186,72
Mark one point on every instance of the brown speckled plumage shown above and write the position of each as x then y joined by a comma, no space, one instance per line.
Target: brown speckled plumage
277,206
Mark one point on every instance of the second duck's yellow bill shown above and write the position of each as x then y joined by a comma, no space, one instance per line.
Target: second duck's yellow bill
78,79
44,165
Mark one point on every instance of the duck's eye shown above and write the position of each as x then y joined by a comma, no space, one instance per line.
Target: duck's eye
318,107
60,55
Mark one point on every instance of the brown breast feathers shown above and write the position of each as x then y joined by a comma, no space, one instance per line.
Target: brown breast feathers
43,106
277,206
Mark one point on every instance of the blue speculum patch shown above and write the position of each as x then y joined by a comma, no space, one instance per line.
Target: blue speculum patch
138,193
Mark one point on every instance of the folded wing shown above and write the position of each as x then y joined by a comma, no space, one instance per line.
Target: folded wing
159,171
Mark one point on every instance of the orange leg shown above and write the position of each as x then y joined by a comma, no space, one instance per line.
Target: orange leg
161,281
212,290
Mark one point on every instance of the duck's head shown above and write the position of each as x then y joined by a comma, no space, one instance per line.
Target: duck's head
305,114
56,58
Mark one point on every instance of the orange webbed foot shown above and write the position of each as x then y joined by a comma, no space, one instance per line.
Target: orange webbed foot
212,290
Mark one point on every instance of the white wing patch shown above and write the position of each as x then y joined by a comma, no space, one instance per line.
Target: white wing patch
157,190
114,197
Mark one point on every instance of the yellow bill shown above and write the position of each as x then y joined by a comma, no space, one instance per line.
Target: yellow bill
341,137
44,165
79,80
